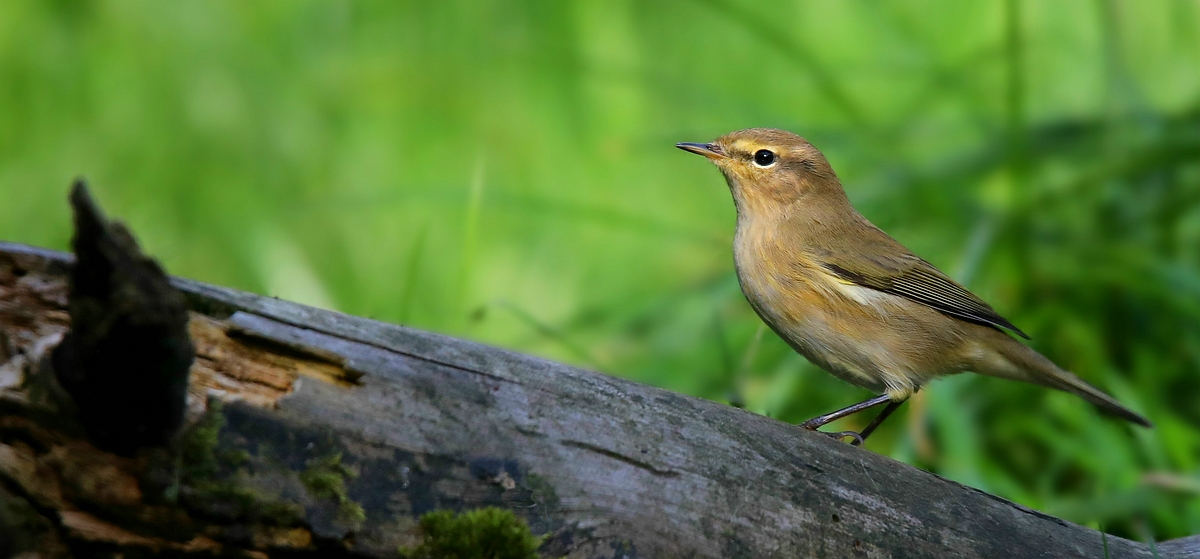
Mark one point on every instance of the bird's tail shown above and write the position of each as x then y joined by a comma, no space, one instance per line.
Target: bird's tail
1030,366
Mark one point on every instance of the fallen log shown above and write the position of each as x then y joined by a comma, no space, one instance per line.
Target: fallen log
310,433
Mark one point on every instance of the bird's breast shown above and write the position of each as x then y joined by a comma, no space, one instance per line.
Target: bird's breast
809,308
779,281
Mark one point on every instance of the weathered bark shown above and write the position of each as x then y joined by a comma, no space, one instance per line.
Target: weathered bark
1182,548
315,432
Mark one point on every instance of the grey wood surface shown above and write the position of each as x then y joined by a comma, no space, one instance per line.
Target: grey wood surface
603,466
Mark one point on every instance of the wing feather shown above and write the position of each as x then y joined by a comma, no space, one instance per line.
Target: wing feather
917,280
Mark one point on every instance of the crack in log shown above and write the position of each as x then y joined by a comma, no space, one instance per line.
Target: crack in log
259,374
261,326
349,374
663,472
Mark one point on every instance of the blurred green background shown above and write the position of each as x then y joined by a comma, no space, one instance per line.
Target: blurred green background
505,172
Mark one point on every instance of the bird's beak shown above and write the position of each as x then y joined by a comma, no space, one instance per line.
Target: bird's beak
711,151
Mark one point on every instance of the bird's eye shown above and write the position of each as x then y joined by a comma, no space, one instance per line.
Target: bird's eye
764,158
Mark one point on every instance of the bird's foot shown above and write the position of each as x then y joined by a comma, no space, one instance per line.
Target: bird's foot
855,438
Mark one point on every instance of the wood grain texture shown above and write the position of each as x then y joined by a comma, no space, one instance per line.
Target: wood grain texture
1182,548
407,422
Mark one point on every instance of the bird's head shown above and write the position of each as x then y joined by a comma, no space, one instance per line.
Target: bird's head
769,169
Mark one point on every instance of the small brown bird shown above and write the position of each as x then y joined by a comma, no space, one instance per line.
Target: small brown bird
852,299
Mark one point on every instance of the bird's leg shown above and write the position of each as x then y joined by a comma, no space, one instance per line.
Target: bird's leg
822,420
870,428
858,438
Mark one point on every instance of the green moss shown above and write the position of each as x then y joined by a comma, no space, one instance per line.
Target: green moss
251,504
326,478
542,493
199,445
200,462
486,533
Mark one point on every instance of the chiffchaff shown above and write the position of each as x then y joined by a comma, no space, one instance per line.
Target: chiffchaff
850,298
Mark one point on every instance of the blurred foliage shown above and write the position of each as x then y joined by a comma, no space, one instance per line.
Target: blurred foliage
504,171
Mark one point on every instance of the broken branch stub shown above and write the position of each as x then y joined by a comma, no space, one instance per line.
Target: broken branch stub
126,358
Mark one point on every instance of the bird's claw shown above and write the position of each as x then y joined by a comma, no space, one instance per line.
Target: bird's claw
855,438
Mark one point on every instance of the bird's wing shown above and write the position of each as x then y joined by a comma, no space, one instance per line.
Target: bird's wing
885,265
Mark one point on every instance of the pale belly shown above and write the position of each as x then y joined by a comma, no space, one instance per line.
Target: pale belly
868,338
